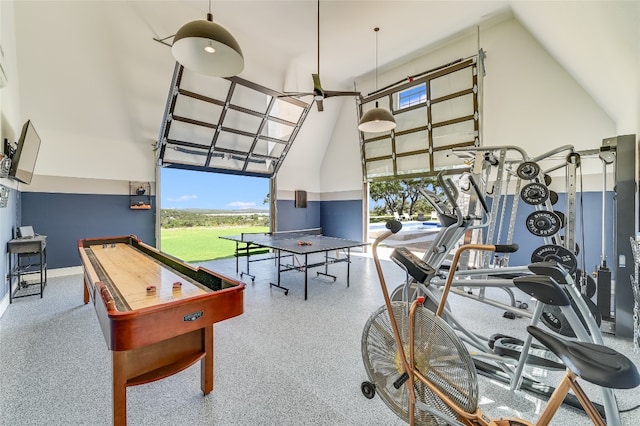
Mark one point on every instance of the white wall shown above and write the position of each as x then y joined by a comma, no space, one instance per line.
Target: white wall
601,57
83,134
341,168
10,126
529,101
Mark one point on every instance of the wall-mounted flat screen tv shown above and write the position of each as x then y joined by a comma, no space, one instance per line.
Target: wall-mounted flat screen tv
24,160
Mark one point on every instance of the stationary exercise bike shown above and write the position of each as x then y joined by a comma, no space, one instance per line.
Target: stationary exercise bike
421,369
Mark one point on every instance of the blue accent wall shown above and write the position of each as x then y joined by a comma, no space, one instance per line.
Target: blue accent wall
342,218
291,218
67,218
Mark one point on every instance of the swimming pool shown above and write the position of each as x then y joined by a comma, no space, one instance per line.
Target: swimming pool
406,226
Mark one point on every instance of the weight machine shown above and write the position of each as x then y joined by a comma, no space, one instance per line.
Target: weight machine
431,386
625,224
509,167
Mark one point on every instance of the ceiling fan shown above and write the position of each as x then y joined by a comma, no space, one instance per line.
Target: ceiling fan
319,94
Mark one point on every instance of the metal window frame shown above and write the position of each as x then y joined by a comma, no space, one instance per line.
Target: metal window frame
213,150
430,169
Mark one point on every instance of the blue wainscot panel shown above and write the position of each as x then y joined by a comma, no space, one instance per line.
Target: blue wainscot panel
291,218
67,218
342,218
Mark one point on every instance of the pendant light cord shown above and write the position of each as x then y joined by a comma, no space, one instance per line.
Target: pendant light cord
376,29
210,15
318,28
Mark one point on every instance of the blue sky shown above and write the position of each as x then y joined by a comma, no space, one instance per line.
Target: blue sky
185,189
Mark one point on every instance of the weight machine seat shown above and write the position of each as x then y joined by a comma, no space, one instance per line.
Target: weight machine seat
543,288
595,363
551,269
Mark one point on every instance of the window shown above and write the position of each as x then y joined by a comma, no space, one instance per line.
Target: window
434,113
412,96
227,125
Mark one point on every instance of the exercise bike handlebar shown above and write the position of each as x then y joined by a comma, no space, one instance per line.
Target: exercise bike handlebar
506,248
393,227
499,248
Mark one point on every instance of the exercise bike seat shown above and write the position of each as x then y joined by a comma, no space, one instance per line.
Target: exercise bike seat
416,267
552,269
543,288
595,363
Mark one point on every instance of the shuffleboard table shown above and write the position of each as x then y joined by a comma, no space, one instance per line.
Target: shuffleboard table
156,312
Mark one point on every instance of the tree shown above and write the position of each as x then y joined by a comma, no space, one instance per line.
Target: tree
413,195
399,195
390,192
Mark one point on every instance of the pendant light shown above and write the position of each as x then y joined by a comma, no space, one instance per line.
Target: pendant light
377,120
207,48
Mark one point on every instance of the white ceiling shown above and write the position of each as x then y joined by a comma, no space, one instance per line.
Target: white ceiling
92,69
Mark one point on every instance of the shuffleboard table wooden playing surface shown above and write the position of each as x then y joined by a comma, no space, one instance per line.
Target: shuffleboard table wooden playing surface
155,311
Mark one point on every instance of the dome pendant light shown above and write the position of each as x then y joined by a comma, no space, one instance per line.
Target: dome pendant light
377,120
207,48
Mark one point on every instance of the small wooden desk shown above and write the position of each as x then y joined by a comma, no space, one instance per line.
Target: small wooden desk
31,253
154,334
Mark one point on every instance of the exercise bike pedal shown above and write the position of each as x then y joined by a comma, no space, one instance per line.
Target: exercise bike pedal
539,356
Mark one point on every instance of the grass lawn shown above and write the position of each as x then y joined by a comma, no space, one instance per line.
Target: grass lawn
201,244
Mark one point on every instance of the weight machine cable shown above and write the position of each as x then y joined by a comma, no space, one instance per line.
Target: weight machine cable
583,280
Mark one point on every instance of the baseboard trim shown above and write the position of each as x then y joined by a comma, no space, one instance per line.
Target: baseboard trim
4,304
65,272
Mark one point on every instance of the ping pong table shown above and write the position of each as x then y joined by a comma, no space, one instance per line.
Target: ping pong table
293,245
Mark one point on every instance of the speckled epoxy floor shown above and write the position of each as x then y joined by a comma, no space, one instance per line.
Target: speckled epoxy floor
285,361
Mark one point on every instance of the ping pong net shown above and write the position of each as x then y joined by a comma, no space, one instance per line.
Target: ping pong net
280,235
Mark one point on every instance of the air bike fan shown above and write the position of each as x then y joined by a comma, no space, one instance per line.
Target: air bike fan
439,355
428,344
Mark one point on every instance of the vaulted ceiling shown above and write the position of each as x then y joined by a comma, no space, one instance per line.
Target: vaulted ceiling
92,70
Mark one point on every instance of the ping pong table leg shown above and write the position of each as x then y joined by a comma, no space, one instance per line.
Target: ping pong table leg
247,254
306,274
237,256
348,263
326,266
286,290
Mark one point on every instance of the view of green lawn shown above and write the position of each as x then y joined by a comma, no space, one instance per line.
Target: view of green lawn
196,244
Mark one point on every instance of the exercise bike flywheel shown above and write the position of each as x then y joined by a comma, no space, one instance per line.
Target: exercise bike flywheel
439,355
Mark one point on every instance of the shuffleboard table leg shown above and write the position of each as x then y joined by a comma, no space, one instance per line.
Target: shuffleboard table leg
86,291
206,364
119,359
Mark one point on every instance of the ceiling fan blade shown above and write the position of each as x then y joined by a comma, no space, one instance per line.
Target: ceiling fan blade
316,82
330,93
319,105
317,87
295,94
